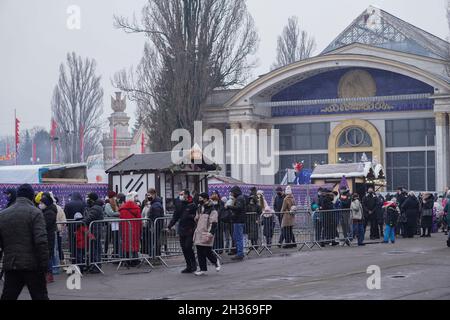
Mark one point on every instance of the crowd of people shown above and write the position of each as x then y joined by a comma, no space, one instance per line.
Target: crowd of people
32,225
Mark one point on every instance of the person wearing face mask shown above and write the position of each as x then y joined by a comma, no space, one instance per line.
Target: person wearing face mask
238,209
48,208
207,219
156,211
185,212
369,204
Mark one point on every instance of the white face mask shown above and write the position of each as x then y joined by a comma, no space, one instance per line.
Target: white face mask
182,198
42,206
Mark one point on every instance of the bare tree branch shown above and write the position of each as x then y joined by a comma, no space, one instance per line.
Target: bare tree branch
293,44
77,108
194,47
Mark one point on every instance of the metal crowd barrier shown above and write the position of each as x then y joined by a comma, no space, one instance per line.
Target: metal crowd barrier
120,241
135,242
165,242
74,240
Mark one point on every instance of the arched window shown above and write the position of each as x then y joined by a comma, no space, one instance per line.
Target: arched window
354,137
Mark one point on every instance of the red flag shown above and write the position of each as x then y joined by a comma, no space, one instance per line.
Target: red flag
34,153
17,132
53,129
82,143
53,136
114,144
143,143
17,135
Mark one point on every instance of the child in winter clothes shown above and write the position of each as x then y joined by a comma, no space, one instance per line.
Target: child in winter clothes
392,214
82,237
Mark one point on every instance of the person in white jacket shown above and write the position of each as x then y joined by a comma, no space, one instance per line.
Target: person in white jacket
60,229
357,219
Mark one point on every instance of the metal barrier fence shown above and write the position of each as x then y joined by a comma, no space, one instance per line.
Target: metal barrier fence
135,242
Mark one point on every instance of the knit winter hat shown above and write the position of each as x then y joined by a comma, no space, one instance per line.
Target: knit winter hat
204,195
47,199
92,196
288,190
38,197
25,191
111,194
78,216
131,196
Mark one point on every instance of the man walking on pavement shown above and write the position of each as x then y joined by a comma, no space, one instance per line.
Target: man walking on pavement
185,211
23,240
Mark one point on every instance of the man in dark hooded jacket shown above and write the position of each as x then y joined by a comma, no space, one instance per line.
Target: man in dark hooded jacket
185,211
23,239
10,196
50,211
156,211
94,212
238,218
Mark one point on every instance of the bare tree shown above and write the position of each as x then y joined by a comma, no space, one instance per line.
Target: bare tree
77,107
294,44
194,46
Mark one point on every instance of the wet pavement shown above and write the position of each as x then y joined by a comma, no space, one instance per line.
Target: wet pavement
410,269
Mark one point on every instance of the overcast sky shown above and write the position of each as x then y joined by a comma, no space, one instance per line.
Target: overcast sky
34,40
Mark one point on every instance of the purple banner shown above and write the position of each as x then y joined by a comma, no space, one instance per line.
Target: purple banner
303,194
62,191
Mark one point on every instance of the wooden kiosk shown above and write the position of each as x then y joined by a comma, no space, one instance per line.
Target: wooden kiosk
140,172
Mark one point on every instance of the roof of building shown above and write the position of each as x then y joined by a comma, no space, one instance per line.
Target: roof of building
225,179
349,170
379,28
158,161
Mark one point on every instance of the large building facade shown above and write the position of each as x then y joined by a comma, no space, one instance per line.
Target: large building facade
380,90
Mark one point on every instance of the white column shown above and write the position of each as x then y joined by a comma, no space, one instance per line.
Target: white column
235,167
250,152
441,151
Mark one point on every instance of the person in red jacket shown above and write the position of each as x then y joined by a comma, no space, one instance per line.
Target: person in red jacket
130,230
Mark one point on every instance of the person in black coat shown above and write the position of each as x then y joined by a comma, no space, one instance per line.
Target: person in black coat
380,215
343,204
94,212
327,215
23,240
74,206
369,203
401,225
238,210
156,211
411,208
427,214
277,205
185,211
50,211
11,197
252,217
